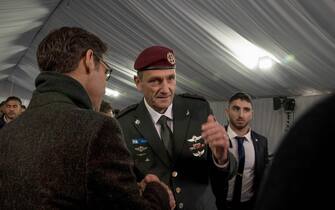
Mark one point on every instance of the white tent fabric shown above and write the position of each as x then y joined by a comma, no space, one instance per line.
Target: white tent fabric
299,33
205,35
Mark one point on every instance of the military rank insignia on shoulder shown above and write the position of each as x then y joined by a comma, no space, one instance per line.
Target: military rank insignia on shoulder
192,96
127,110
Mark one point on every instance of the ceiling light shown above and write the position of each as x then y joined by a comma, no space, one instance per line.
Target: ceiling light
111,93
240,48
250,55
265,63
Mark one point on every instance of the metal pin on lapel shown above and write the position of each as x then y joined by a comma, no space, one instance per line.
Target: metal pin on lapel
137,121
194,139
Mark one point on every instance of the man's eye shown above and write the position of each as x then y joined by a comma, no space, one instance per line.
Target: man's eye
154,81
172,78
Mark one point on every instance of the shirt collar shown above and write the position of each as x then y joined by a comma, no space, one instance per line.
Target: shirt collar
231,133
156,115
5,119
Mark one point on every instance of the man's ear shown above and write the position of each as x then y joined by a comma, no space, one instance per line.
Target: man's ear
138,82
89,61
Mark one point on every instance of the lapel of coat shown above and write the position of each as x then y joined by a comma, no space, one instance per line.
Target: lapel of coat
181,120
143,123
257,148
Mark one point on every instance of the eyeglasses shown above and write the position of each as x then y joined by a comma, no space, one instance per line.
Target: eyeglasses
108,67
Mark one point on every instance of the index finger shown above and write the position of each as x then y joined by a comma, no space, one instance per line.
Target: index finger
210,122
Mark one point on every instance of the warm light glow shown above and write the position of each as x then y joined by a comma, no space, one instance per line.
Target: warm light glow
289,58
112,93
313,92
250,55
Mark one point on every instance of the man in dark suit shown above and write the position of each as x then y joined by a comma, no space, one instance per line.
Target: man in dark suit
186,149
301,174
61,153
251,151
12,109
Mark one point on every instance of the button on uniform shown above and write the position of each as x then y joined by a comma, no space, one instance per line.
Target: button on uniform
178,190
174,174
180,205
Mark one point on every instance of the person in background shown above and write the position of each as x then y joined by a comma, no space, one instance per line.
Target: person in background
62,154
12,109
175,137
251,151
300,174
106,108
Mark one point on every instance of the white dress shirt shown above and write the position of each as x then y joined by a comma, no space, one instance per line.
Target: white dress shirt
249,166
156,115
168,113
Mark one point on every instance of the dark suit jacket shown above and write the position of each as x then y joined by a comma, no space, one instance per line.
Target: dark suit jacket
261,158
301,173
60,154
187,174
261,161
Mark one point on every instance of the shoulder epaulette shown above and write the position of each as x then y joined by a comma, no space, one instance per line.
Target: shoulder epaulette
126,110
192,96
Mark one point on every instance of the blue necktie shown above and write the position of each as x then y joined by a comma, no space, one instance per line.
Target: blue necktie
239,176
166,134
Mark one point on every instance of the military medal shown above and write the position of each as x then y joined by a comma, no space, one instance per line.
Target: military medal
141,148
198,146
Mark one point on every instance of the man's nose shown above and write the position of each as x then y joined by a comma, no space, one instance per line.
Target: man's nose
165,86
241,113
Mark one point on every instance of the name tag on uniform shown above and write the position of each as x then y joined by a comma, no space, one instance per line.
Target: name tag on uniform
139,141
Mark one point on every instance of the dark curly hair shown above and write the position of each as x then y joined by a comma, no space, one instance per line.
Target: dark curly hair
242,96
61,50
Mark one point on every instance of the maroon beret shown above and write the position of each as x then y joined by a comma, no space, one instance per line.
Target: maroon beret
155,57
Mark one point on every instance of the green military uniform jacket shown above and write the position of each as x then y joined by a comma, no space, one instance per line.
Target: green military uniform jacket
191,167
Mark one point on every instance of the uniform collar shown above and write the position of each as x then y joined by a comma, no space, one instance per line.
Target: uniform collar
156,115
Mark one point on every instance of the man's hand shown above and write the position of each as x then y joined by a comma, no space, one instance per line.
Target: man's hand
153,178
216,137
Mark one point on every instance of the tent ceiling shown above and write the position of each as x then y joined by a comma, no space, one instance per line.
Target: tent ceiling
203,33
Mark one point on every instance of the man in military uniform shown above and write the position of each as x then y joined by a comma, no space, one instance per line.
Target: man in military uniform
175,136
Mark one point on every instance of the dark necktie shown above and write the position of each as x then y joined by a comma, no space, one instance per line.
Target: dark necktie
238,179
166,134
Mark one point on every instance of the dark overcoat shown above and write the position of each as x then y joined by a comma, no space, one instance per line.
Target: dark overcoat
60,154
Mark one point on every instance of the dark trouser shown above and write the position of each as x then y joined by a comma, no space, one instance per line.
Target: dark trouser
247,205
